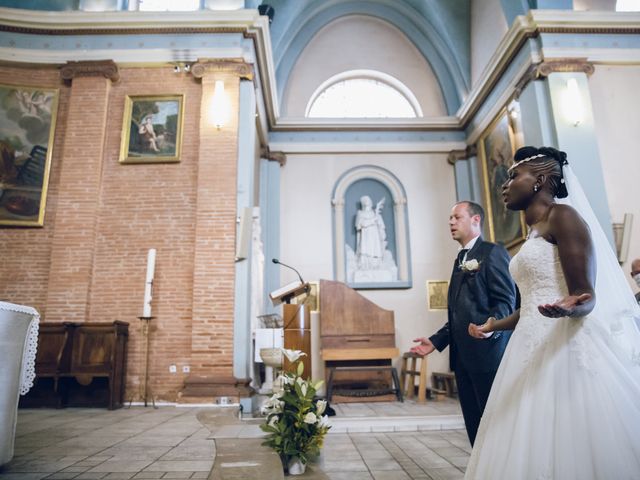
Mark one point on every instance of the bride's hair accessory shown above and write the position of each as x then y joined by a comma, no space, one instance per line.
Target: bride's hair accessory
545,160
524,160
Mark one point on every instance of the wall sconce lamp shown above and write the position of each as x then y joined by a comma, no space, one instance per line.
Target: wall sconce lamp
574,108
220,107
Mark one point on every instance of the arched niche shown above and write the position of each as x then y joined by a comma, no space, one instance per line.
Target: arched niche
377,183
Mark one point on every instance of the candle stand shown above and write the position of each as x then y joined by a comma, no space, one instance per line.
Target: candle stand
146,388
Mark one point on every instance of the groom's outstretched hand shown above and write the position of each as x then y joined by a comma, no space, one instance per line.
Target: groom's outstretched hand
565,306
425,347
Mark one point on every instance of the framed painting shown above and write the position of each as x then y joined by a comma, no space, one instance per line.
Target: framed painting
495,152
27,125
152,129
437,291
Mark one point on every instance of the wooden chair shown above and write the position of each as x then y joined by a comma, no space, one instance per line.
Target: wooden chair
444,382
411,374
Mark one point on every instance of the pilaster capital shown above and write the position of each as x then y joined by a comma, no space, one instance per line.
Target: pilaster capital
231,66
99,68
279,157
563,65
456,155
546,68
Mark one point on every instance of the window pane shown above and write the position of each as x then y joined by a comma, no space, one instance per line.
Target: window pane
361,98
628,5
164,5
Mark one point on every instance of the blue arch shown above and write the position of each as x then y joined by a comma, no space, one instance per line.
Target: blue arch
452,77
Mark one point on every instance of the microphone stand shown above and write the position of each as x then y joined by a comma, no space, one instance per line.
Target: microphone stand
306,286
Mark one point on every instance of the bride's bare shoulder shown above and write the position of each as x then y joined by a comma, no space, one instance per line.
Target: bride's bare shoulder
564,221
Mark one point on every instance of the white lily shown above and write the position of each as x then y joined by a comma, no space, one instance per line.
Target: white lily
293,355
310,418
321,405
323,421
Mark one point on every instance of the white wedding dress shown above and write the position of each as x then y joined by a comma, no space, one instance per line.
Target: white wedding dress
565,403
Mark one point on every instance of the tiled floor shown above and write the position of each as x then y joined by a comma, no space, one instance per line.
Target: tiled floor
380,441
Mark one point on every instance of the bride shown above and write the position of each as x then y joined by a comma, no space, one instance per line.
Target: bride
565,403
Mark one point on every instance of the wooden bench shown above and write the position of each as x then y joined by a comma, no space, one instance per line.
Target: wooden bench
397,389
76,356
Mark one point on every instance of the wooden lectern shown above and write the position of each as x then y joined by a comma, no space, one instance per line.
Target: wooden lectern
296,322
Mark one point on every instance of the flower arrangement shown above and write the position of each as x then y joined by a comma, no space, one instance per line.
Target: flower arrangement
295,422
470,265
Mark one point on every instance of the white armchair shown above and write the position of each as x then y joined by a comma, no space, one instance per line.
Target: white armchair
18,344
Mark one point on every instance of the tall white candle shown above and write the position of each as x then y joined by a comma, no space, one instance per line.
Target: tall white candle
148,286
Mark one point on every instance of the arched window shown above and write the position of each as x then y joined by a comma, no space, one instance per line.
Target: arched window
628,6
363,94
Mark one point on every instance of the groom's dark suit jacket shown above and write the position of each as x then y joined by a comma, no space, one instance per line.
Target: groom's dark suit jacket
473,297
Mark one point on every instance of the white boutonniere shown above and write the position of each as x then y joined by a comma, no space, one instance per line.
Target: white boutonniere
470,265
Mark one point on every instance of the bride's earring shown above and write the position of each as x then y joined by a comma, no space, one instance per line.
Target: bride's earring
536,188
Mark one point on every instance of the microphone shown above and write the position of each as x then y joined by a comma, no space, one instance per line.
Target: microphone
278,262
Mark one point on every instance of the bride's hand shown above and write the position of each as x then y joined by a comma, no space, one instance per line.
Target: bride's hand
563,307
482,331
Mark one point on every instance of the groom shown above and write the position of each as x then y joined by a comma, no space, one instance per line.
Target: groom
480,287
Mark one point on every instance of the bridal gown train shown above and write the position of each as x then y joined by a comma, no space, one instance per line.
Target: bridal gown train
565,403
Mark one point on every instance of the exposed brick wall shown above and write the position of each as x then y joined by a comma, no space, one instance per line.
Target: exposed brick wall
185,210
74,229
213,299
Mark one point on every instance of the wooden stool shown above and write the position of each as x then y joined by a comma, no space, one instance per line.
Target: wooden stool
444,382
411,373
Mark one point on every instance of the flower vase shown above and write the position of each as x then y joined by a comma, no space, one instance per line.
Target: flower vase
296,466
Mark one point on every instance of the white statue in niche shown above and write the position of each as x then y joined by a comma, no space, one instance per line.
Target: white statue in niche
371,262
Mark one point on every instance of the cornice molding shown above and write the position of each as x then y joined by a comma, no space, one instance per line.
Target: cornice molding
231,66
293,147
101,68
127,22
367,124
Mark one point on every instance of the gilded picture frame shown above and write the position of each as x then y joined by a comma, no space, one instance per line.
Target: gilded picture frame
152,129
496,148
27,128
437,291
